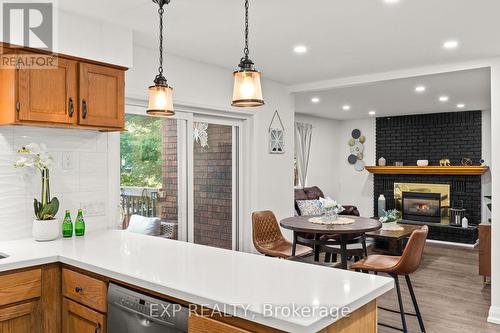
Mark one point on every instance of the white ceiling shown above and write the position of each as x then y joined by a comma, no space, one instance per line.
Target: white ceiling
345,37
398,97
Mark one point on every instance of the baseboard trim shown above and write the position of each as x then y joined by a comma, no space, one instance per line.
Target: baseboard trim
494,315
461,245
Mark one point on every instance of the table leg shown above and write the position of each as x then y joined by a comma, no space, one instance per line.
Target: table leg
317,248
294,245
343,252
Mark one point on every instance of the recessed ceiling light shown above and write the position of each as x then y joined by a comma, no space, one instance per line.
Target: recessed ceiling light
391,1
450,44
420,89
444,99
300,49
372,113
461,105
315,99
346,107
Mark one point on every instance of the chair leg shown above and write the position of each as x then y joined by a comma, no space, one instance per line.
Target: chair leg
363,243
328,257
334,257
400,300
415,304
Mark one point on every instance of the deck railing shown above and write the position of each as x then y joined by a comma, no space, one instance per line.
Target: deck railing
140,200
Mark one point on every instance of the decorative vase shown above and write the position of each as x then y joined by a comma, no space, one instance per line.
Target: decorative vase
382,161
390,226
330,215
46,230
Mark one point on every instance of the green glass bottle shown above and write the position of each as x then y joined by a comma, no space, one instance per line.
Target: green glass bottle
79,224
67,226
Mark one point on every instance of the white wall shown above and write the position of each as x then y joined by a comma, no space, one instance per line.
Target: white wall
210,87
494,315
83,184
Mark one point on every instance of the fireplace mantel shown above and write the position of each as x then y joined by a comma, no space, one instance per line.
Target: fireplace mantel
428,170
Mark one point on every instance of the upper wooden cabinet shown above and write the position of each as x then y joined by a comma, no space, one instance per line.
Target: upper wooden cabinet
76,93
48,95
101,96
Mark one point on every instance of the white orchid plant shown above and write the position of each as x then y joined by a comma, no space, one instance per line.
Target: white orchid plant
329,204
36,156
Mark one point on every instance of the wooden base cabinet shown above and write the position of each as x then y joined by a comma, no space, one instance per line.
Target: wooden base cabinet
21,318
79,318
485,250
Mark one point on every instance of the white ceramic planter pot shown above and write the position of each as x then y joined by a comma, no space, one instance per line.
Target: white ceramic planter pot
44,231
390,226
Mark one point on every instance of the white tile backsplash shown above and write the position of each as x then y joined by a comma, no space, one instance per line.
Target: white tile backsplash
86,181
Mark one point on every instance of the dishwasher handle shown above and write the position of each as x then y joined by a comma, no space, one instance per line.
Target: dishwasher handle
144,316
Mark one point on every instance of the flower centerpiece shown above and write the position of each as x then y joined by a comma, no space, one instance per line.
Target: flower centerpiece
45,225
390,218
331,209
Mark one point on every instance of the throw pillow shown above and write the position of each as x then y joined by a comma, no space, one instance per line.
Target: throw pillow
144,225
310,207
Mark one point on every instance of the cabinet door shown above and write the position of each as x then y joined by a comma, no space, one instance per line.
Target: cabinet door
79,318
102,96
21,318
49,95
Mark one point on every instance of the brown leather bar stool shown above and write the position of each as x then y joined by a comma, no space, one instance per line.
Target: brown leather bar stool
268,239
395,266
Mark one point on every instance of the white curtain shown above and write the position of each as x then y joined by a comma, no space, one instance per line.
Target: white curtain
303,134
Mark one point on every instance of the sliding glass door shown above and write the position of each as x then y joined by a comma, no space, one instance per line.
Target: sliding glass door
215,183
184,171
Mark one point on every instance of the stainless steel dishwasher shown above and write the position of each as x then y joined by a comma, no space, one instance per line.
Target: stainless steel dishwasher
132,312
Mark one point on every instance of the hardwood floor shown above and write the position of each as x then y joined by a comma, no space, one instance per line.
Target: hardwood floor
450,293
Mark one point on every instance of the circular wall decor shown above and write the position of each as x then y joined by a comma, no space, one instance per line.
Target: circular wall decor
356,150
352,159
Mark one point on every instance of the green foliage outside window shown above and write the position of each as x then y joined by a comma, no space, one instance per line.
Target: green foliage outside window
141,156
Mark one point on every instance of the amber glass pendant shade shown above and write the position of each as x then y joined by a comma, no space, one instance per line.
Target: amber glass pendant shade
160,101
247,91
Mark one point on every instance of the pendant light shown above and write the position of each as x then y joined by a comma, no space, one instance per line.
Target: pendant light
247,91
160,94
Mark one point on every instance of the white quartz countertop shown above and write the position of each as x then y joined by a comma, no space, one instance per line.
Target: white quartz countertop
254,287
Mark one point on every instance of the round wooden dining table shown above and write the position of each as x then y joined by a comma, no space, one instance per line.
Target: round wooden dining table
301,225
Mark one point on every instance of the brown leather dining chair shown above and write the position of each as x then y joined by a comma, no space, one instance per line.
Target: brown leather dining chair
395,266
268,239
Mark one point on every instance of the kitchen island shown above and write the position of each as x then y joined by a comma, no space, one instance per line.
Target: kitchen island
253,289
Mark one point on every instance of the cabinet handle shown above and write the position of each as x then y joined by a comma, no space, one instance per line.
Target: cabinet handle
71,107
84,108
98,328
78,289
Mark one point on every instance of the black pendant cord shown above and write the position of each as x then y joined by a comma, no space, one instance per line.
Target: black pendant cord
246,50
160,79
245,62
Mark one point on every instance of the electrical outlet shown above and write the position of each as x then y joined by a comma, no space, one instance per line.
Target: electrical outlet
67,161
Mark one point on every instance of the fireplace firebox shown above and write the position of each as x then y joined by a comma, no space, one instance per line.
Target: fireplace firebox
428,203
425,207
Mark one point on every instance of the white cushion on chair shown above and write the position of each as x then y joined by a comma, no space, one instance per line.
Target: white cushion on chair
144,225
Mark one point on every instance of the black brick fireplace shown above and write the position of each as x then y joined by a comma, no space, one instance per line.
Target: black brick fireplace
454,135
